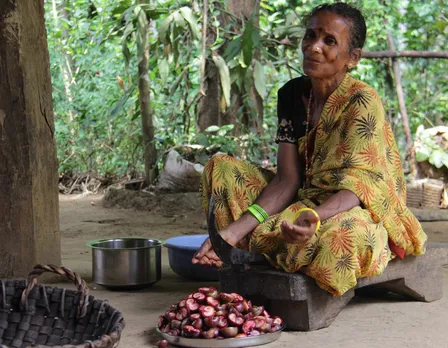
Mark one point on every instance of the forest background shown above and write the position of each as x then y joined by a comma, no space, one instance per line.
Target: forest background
135,78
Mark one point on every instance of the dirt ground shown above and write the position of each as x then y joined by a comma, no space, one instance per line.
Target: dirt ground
372,323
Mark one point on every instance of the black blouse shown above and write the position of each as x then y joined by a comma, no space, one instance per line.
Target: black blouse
291,111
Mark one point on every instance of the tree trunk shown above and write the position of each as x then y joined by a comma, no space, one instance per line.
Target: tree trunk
237,113
410,153
149,148
29,214
209,110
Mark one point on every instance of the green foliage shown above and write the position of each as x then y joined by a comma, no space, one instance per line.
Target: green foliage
432,147
95,47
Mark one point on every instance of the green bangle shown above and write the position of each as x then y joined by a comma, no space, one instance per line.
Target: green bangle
261,211
256,214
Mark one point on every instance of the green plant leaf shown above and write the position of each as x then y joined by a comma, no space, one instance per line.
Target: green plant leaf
437,158
212,129
247,42
224,75
164,69
191,19
422,154
114,112
180,21
233,49
164,29
259,79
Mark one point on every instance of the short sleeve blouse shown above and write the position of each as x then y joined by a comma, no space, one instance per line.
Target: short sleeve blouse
291,111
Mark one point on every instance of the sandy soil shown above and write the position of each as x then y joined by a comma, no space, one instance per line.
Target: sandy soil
378,323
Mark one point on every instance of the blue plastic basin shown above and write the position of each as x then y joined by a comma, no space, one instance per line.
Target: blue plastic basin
180,252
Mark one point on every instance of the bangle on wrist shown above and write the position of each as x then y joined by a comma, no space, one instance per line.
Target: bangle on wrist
260,214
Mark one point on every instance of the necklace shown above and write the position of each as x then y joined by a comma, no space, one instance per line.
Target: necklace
307,161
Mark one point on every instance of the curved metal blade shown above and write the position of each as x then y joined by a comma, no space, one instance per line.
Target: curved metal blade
227,253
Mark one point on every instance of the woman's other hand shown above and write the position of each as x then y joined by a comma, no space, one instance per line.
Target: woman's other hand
206,256
302,230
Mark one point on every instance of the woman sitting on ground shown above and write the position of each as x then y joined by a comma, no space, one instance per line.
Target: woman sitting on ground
336,207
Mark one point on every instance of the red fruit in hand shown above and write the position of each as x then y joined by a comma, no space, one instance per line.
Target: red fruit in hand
229,332
208,311
248,326
235,320
162,344
222,322
192,305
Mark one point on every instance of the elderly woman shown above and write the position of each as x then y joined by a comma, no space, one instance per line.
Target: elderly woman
335,208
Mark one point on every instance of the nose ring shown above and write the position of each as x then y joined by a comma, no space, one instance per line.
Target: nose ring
316,48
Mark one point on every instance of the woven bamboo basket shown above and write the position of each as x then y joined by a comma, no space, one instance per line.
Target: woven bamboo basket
33,315
432,194
414,195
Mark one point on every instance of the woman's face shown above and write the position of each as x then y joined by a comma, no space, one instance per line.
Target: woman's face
326,46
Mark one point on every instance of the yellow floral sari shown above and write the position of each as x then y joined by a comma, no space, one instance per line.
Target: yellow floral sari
356,151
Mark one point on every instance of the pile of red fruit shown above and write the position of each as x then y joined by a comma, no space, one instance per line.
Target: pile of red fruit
210,314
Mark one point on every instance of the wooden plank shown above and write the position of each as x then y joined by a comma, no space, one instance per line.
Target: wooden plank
304,306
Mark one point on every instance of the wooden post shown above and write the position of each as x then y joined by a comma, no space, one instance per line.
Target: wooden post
29,214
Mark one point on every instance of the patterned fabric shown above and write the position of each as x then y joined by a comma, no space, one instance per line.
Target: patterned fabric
356,151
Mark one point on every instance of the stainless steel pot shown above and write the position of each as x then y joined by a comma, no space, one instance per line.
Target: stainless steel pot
126,263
